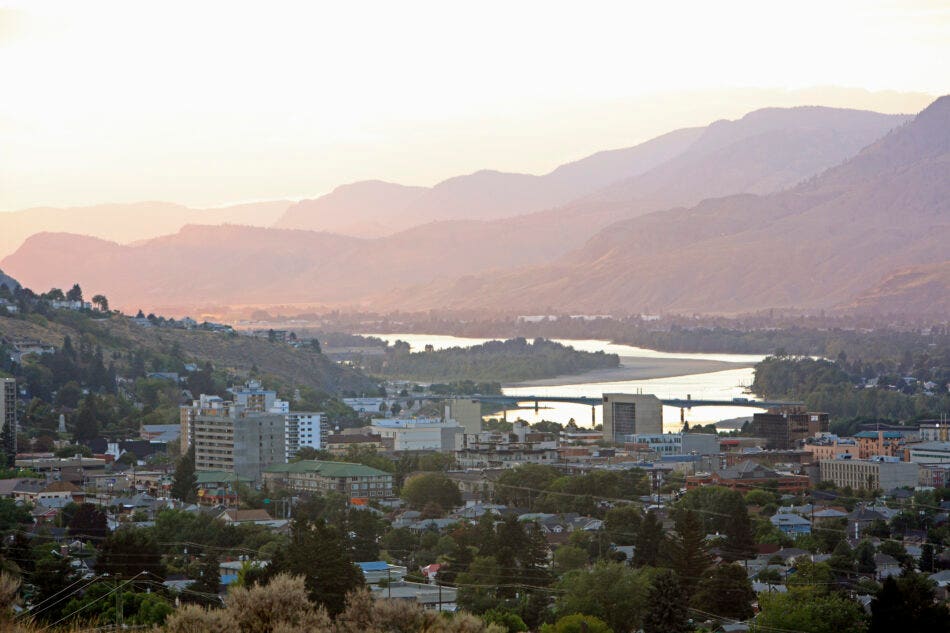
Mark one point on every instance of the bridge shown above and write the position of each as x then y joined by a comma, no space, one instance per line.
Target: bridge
679,403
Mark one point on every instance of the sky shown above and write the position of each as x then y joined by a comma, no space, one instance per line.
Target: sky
209,103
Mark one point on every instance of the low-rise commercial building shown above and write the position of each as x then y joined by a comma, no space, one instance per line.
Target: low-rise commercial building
930,452
750,476
870,474
880,444
320,477
420,434
674,443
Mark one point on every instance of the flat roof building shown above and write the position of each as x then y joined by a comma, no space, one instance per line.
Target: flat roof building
784,430
631,414
870,474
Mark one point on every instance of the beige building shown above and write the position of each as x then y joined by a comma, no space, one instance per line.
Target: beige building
861,474
240,442
631,414
466,412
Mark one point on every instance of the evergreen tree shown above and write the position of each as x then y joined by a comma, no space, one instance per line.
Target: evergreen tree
87,419
185,482
666,606
842,559
927,558
208,582
8,445
89,522
129,551
727,592
907,604
318,553
864,555
74,293
51,576
649,539
689,557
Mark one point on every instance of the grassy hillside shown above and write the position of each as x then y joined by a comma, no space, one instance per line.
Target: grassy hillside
232,353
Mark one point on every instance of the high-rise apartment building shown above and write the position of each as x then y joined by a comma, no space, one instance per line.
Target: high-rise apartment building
240,442
304,429
631,414
8,410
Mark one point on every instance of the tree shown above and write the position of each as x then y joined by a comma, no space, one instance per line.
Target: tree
622,524
89,522
129,551
864,555
8,445
12,515
87,419
204,590
610,591
510,622
185,482
689,557
318,553
809,612
726,592
927,558
101,302
666,610
569,557
51,576
577,623
649,540
521,486
427,488
842,559
74,293
907,604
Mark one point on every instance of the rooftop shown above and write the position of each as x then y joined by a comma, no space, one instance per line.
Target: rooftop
327,469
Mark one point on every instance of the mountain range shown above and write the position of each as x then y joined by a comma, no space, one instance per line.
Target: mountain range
782,208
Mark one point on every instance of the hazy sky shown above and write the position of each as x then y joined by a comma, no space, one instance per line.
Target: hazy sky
206,103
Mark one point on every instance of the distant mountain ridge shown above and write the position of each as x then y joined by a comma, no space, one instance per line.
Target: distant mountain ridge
377,209
823,244
128,222
474,263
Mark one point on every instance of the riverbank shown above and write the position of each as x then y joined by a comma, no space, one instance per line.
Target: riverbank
637,368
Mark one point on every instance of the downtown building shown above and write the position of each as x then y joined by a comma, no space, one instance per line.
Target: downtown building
8,412
882,473
787,429
631,414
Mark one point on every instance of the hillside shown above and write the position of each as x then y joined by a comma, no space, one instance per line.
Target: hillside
201,267
918,290
233,353
818,245
127,222
8,281
376,209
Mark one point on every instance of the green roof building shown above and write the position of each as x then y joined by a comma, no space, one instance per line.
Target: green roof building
355,481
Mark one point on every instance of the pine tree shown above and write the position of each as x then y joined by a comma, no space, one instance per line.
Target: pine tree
689,557
649,538
87,419
185,482
666,611
927,558
318,553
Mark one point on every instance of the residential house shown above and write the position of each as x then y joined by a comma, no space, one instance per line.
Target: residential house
434,598
749,475
791,524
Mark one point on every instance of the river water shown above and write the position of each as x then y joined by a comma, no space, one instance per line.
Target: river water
724,384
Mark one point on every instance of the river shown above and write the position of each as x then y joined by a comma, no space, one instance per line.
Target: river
664,374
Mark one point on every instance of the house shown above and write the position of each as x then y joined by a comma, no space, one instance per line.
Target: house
21,488
62,490
885,566
233,516
434,598
791,524
375,572
431,571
